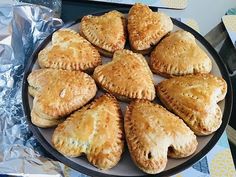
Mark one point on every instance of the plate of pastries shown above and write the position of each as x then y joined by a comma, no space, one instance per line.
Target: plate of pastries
126,93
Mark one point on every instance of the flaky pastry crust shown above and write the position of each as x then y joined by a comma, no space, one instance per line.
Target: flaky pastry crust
96,130
146,28
106,32
179,54
152,133
194,98
127,76
69,51
57,93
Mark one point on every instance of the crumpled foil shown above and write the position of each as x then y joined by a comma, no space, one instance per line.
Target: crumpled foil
22,28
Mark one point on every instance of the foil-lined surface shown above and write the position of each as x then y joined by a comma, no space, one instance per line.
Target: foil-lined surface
22,28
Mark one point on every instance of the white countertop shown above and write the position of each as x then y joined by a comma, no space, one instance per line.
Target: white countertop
207,13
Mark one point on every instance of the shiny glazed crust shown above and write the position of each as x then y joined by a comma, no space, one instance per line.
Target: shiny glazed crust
57,93
178,54
106,32
194,98
146,28
127,76
69,51
95,130
152,133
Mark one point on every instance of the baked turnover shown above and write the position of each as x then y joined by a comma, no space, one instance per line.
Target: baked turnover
146,28
57,93
194,98
153,133
178,54
127,76
69,51
106,32
96,130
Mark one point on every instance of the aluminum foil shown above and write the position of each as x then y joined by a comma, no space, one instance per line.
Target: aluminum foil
22,29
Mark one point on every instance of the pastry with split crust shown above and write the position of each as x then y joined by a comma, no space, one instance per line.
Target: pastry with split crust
153,133
57,93
96,130
194,98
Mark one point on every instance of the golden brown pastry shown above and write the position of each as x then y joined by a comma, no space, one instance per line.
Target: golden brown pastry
152,133
95,130
106,32
194,99
146,28
179,54
57,93
69,51
127,76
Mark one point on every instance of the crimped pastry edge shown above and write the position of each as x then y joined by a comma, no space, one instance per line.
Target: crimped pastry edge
189,148
108,49
125,96
48,115
120,126
133,157
173,109
146,45
161,68
44,63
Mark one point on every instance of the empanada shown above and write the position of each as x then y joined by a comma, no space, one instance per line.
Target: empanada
69,51
57,93
146,28
106,32
96,130
152,133
194,99
127,76
179,54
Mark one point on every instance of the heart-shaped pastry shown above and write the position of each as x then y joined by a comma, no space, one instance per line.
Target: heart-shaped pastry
146,28
95,130
194,98
57,93
69,51
152,133
127,76
178,54
106,32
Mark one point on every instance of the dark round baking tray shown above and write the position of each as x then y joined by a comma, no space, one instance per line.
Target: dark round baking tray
183,166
